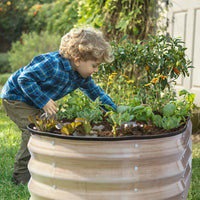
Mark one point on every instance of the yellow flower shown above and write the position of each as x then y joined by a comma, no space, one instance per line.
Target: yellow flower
8,3
147,84
162,76
109,83
154,80
125,76
130,81
112,76
114,73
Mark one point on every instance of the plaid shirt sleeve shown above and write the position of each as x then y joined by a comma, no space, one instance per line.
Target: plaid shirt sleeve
93,91
39,70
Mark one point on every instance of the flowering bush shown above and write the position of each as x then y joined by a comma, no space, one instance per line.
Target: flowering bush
155,65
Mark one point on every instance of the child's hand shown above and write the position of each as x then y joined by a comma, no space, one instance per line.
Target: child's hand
50,107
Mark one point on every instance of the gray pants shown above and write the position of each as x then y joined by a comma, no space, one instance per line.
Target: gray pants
18,112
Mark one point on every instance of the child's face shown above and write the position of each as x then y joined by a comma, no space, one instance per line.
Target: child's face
86,68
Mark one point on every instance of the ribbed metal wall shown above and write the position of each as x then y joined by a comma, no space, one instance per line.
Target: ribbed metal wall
146,169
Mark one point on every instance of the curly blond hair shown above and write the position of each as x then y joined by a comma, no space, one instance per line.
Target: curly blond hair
87,44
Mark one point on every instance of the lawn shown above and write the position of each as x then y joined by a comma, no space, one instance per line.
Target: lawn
10,141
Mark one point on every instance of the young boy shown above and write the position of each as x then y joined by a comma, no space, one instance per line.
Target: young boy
33,89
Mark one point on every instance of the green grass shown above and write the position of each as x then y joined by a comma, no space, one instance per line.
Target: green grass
10,139
194,193
9,143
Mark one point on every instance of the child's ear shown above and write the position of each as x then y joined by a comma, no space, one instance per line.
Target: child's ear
77,61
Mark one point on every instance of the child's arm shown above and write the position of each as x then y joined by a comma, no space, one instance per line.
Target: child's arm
93,91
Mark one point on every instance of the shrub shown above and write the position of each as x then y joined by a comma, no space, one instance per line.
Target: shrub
31,45
61,15
118,18
12,20
4,63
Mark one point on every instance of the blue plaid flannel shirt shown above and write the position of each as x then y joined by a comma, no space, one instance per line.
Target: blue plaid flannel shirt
49,76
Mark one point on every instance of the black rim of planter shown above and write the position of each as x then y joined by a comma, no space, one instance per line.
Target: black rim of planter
91,138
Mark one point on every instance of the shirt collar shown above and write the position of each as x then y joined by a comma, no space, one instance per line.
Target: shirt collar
66,64
68,68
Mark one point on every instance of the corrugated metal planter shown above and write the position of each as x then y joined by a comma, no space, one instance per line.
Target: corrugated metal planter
139,168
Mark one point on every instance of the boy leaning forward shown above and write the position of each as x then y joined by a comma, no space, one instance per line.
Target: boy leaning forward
34,88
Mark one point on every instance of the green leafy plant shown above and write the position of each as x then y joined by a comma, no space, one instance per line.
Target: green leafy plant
44,122
118,18
92,112
49,123
117,117
80,125
175,113
77,104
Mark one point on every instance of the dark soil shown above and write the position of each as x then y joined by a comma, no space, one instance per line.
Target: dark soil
141,129
135,128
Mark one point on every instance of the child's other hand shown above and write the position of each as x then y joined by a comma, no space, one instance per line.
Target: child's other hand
50,107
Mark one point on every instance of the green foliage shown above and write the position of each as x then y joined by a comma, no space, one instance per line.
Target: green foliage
122,115
44,122
129,113
32,45
4,63
144,73
90,12
154,59
142,113
118,18
166,122
169,109
92,111
12,20
185,104
172,116
48,123
84,128
56,17
176,111
77,104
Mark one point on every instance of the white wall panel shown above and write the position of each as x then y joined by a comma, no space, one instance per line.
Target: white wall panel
184,22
